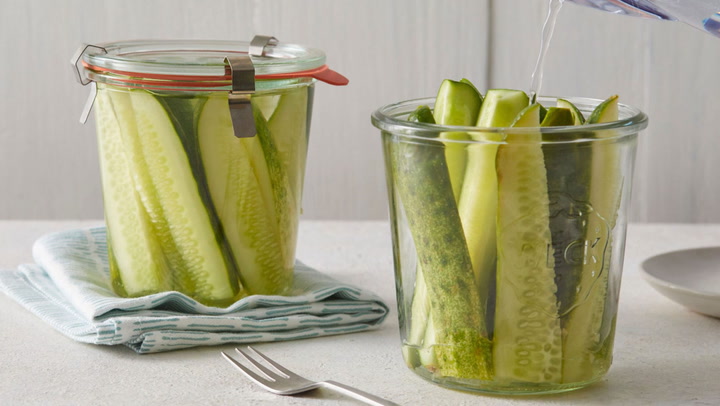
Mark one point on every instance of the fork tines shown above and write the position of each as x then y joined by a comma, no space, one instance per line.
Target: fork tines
267,373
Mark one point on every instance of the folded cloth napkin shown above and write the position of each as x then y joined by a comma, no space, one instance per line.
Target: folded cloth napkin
69,287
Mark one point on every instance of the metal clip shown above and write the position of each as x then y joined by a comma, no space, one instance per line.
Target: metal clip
89,103
242,73
259,42
83,80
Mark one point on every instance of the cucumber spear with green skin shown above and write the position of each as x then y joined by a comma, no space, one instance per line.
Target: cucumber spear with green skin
457,103
419,351
460,345
251,192
287,126
577,116
568,173
583,338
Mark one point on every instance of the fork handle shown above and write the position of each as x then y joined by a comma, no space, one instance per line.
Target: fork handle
357,394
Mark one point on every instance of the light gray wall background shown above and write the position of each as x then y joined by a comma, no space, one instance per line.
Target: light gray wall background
391,50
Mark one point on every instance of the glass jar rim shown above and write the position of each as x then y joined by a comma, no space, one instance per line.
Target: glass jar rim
392,118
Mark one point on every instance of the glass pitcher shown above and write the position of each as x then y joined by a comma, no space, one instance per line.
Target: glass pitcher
701,14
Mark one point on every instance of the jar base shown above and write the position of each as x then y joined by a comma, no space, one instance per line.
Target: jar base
497,388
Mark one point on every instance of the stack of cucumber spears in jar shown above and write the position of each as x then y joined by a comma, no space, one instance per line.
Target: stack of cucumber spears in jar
485,207
209,214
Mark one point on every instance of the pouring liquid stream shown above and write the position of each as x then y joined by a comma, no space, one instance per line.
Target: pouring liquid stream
547,33
701,14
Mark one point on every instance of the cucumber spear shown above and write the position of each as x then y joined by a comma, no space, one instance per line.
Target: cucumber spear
478,199
583,335
460,346
457,103
527,338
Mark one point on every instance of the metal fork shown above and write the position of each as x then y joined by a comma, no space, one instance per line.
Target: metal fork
285,382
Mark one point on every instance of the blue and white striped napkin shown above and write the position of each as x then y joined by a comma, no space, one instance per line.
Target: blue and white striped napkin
69,287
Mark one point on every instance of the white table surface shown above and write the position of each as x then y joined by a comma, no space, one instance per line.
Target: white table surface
664,354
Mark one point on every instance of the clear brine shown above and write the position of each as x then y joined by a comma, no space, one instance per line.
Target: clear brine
190,207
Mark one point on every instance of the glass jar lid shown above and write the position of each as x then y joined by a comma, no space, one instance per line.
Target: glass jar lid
199,63
240,68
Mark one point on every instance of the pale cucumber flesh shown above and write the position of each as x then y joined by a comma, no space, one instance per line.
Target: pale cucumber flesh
479,200
241,187
557,116
170,177
184,113
137,267
173,209
174,205
527,343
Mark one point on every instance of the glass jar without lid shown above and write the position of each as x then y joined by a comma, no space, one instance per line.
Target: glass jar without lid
511,285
